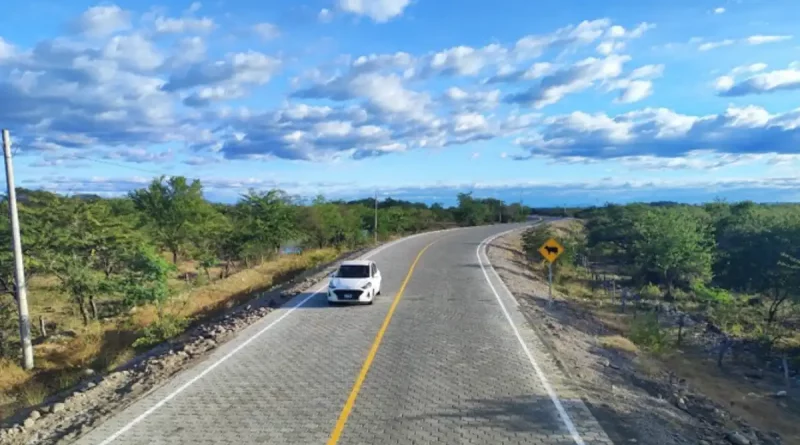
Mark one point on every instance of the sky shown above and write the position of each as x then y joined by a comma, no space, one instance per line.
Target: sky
572,102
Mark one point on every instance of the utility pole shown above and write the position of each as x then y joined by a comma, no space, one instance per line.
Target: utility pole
19,271
375,226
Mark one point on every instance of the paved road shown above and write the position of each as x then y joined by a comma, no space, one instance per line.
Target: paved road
456,365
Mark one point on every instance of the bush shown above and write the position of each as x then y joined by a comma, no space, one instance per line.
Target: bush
161,330
650,292
646,332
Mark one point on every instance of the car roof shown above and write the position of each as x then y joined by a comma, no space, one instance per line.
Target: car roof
356,263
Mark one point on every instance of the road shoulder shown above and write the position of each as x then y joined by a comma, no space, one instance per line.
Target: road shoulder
632,406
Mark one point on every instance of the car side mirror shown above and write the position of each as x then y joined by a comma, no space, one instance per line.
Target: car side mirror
332,275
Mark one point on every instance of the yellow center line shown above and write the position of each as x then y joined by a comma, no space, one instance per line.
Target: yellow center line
351,400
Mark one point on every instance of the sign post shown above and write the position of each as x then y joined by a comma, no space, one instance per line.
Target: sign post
551,250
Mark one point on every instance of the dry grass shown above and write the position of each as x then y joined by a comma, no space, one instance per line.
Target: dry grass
567,226
11,374
619,343
107,344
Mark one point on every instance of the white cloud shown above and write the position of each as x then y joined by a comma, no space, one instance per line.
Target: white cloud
708,46
266,31
635,91
719,10
133,51
752,40
102,21
469,122
606,48
250,68
570,80
748,69
762,39
647,72
7,50
760,83
378,10
724,83
194,7
325,15
463,60
664,133
582,34
535,71
472,100
166,25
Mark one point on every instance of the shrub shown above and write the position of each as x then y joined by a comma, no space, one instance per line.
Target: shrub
646,332
163,329
650,292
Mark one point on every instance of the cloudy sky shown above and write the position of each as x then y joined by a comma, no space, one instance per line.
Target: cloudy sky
567,102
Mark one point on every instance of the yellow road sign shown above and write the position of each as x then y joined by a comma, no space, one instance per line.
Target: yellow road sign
551,250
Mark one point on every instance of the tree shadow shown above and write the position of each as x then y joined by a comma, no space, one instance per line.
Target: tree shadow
515,414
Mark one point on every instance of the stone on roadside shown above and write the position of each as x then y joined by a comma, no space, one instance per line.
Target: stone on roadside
736,438
58,407
781,394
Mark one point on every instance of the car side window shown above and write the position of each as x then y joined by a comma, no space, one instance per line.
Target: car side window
374,270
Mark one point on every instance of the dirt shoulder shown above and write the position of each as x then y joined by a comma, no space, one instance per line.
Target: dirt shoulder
636,397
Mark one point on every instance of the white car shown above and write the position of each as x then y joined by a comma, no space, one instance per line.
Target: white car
355,282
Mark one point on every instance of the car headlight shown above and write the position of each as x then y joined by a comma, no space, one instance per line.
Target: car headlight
367,286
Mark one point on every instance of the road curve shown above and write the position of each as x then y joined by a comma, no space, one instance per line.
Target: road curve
448,360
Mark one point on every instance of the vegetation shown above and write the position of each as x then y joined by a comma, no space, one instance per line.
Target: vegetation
107,277
735,264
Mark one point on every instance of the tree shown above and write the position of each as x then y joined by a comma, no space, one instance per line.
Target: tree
174,210
266,221
146,280
757,244
471,212
673,244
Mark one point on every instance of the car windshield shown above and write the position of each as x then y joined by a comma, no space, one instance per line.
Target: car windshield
353,271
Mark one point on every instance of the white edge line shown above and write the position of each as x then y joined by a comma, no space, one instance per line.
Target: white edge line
545,383
194,379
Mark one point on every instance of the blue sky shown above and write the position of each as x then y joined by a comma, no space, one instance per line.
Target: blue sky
554,103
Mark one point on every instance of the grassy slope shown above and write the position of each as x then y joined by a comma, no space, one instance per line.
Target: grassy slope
749,399
105,344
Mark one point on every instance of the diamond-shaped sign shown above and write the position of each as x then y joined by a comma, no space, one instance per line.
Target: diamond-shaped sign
551,250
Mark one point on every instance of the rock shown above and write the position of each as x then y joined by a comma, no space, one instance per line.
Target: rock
91,385
736,438
35,415
704,442
28,423
682,404
780,394
88,372
58,407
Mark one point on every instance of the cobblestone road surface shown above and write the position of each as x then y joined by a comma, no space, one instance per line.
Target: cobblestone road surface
450,369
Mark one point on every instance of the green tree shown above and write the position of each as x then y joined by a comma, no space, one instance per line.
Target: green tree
174,210
145,280
266,221
673,244
756,244
472,212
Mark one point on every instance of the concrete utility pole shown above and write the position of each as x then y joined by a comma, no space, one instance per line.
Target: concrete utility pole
376,217
19,270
